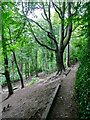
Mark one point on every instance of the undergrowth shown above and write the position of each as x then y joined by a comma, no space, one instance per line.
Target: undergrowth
82,88
32,82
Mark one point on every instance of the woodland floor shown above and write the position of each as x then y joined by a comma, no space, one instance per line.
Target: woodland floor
31,101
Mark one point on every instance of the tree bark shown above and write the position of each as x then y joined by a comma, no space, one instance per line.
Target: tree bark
28,67
7,75
22,84
21,61
13,71
51,59
42,60
21,66
67,56
32,62
25,69
59,61
46,60
36,71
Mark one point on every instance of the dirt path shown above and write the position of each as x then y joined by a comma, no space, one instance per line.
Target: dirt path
64,105
33,99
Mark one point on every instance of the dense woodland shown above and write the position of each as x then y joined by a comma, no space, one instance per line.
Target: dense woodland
45,37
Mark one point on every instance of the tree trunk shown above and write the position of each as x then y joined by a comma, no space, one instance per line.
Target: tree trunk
42,61
51,59
21,66
36,65
28,67
67,56
46,60
59,61
7,75
21,63
25,69
32,62
22,84
13,71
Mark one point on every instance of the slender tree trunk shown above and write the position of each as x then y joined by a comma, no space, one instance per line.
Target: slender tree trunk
22,84
51,59
21,63
28,67
46,60
36,65
21,66
42,60
67,56
13,71
25,69
7,75
32,62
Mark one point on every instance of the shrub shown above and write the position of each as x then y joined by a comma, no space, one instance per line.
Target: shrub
82,88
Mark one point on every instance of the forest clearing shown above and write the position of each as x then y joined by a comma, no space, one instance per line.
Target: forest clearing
44,59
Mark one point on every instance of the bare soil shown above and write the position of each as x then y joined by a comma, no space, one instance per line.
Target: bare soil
31,101
64,105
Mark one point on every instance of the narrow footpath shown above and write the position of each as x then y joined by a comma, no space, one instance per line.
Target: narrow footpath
64,104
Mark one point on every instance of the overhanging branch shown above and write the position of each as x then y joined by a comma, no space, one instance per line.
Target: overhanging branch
59,8
2,73
52,37
49,33
54,5
38,24
44,11
39,41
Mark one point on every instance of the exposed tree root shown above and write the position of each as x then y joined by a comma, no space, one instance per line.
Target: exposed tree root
63,72
6,98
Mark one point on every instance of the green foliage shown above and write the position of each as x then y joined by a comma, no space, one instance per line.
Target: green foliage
16,77
3,81
82,88
32,82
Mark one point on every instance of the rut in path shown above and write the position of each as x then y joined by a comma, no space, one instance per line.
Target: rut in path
64,104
